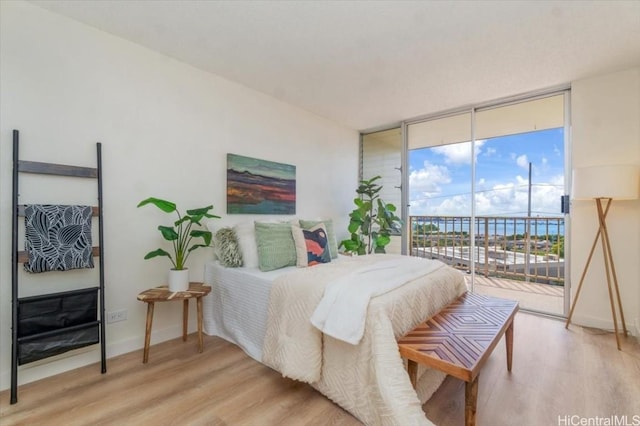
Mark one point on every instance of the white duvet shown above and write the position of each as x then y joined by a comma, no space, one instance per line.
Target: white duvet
368,379
342,311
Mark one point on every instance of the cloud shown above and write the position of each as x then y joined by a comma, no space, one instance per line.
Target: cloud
509,198
429,178
523,161
490,152
458,153
426,183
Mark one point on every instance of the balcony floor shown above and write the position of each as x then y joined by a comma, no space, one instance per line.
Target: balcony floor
535,297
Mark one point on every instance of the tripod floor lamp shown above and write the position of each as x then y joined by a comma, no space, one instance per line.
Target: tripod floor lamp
605,184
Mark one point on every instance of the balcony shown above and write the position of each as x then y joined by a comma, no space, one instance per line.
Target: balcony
513,257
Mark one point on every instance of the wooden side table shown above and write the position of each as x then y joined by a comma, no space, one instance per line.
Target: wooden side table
163,294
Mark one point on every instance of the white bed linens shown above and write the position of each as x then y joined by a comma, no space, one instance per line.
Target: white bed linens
342,310
236,308
368,379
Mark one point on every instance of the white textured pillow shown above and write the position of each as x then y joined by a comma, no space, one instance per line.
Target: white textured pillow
246,235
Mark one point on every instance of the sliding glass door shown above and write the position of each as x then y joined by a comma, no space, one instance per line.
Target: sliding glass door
440,180
484,191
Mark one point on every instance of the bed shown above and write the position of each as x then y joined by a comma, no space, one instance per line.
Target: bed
267,314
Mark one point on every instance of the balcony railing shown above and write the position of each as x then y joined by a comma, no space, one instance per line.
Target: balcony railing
519,248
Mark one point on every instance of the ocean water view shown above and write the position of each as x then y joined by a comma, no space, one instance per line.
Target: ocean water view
492,225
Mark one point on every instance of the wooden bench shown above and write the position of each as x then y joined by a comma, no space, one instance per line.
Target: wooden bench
459,339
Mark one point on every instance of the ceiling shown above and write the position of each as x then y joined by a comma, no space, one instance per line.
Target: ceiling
369,64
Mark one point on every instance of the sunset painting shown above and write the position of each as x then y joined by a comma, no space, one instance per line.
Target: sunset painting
260,187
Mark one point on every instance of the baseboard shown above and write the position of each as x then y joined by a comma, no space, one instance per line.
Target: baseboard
84,356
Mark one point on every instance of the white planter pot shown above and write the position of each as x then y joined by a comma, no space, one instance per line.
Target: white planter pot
178,280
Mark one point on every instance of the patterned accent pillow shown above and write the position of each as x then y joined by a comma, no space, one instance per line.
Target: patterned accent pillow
276,248
57,237
312,245
227,248
331,234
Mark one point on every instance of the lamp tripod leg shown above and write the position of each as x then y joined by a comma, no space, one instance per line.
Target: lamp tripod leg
610,270
615,281
584,274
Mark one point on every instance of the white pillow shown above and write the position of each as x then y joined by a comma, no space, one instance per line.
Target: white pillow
246,234
211,227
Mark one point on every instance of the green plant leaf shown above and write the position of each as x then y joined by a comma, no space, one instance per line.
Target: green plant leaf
205,235
168,233
182,220
354,225
157,252
199,212
164,205
195,246
181,234
366,226
372,221
349,245
382,240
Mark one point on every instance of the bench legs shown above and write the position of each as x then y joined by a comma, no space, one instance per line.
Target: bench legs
470,401
470,388
412,369
508,335
470,393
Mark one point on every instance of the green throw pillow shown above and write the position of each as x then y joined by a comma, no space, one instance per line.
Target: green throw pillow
276,248
331,234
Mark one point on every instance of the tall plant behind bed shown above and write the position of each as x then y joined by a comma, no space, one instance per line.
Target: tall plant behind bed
371,222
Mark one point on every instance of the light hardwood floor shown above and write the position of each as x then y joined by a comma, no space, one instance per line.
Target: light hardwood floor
556,373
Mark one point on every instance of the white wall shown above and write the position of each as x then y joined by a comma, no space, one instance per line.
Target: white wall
606,130
166,128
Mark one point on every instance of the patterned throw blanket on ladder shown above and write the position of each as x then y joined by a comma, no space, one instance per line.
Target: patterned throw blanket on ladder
57,237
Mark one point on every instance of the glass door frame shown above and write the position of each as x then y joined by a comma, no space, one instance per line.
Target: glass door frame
565,90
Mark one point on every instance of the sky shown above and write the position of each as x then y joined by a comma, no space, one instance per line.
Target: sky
440,177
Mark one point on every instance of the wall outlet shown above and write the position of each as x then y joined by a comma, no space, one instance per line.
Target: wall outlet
116,316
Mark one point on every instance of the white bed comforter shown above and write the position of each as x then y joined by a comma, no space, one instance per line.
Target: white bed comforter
369,379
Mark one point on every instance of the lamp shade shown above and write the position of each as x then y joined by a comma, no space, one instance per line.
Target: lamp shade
620,182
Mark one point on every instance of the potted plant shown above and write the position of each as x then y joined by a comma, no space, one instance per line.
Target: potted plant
181,235
371,222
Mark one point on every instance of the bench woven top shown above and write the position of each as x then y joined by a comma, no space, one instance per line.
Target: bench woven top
459,338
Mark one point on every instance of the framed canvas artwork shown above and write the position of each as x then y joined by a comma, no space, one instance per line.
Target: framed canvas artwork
257,186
